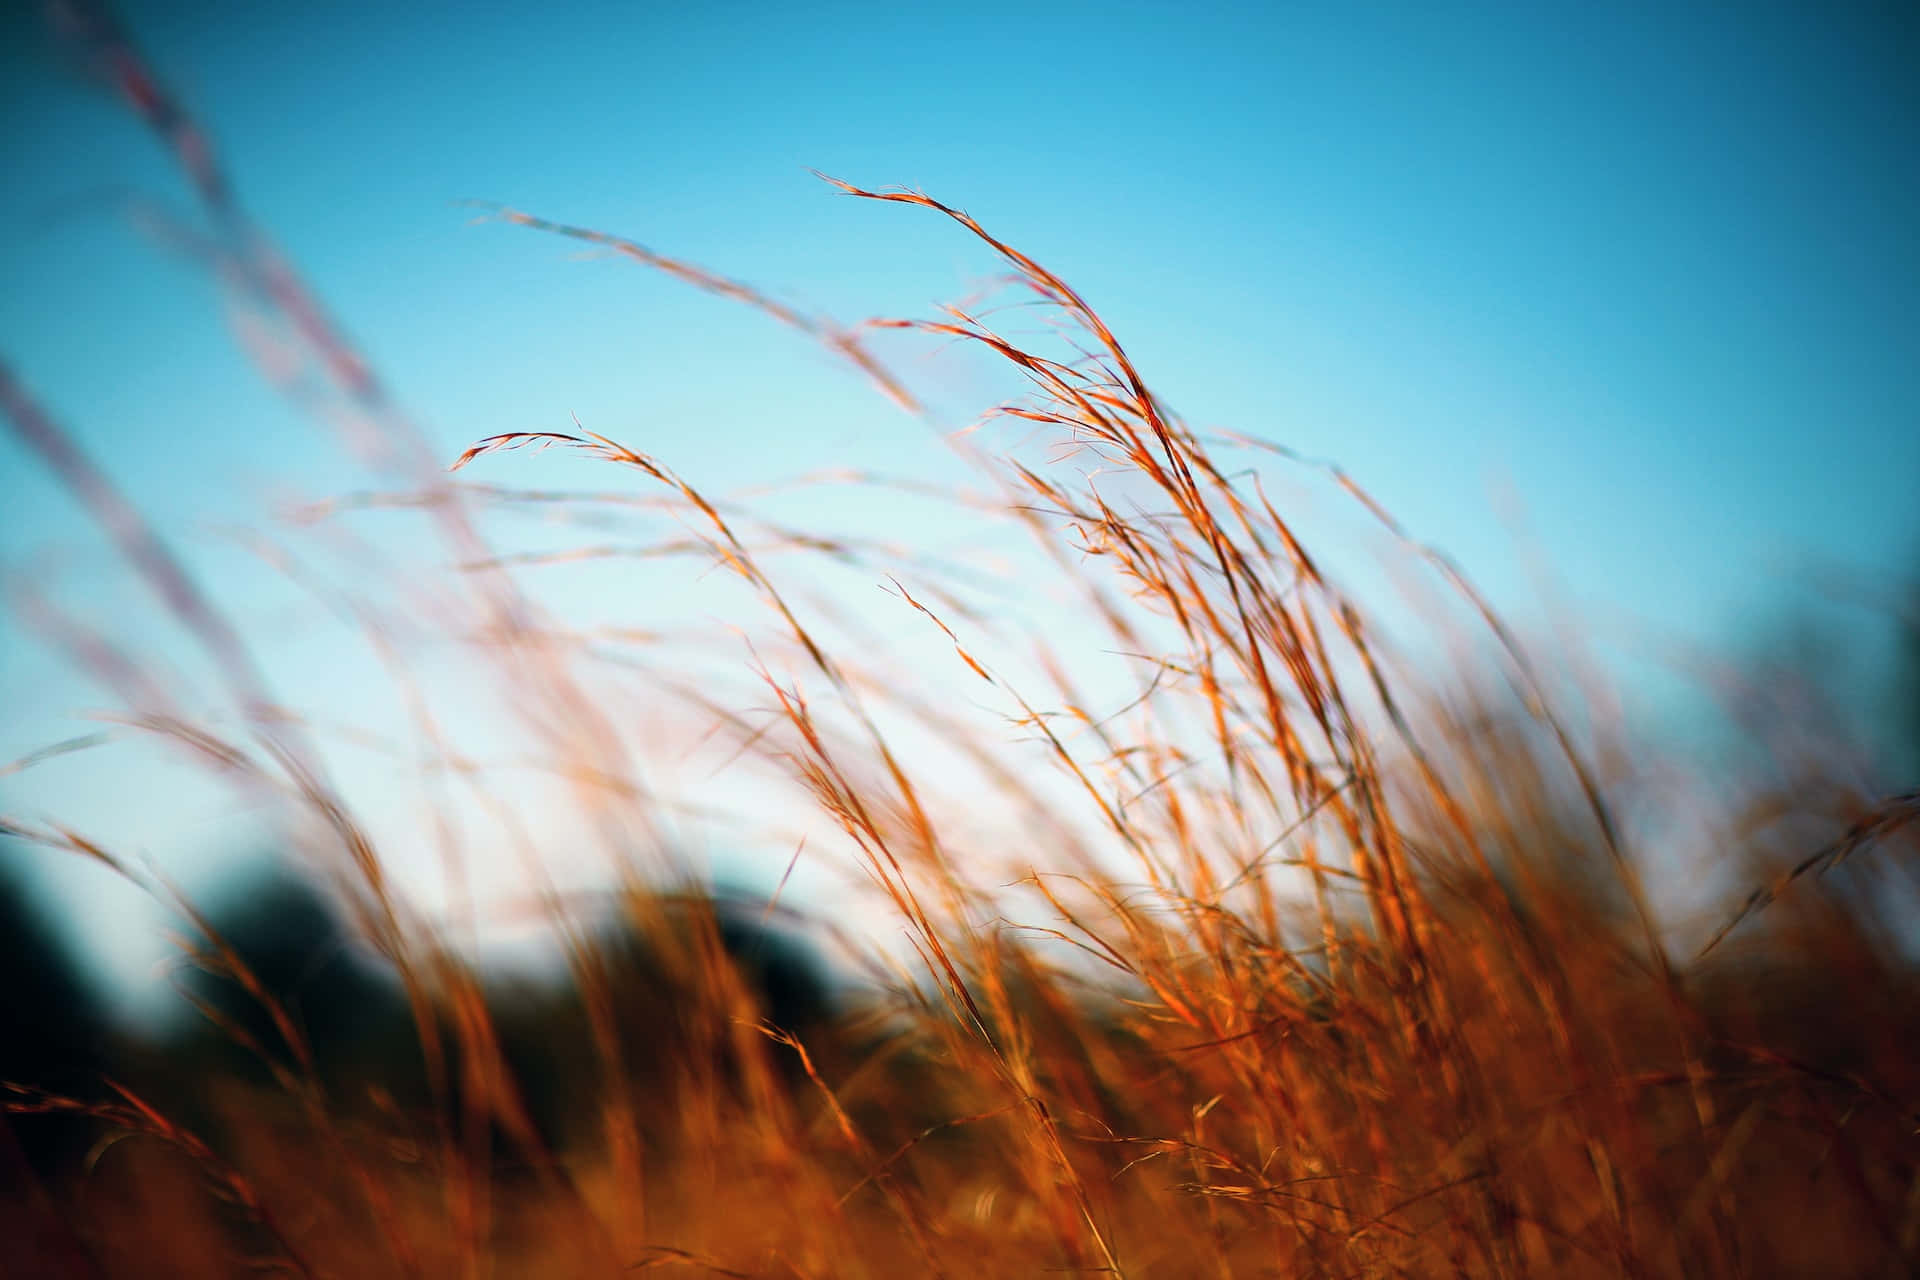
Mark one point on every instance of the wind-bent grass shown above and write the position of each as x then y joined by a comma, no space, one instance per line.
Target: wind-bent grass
1326,972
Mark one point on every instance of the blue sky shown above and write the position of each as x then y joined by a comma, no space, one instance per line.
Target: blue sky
1650,268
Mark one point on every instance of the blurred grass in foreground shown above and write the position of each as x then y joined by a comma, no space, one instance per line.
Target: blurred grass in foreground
1335,970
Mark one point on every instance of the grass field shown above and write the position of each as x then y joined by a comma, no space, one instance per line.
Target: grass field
1326,964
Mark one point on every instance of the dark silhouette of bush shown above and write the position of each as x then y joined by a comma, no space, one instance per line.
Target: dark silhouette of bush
55,1036
684,979
55,1042
341,1005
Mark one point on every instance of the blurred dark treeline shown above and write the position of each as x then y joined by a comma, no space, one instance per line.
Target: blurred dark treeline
55,1033
281,1003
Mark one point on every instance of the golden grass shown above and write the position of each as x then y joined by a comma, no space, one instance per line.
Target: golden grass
1331,974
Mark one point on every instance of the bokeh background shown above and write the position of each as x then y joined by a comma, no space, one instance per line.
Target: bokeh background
1615,306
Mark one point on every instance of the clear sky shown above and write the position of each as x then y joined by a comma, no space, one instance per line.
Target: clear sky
1653,268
